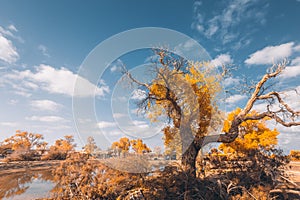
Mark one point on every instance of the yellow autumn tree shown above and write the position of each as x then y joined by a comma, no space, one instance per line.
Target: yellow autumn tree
139,147
186,96
121,146
186,93
254,134
24,145
295,155
24,140
60,149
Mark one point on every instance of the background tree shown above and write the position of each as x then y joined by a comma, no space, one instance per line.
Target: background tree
90,146
121,146
157,150
24,145
24,140
60,149
139,147
295,155
80,178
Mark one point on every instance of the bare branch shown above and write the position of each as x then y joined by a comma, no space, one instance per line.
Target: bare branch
257,94
129,75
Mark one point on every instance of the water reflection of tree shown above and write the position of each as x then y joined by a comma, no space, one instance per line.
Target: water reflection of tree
17,183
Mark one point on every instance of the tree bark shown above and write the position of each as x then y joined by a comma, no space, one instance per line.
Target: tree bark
189,159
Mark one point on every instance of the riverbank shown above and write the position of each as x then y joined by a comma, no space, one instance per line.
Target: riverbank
23,166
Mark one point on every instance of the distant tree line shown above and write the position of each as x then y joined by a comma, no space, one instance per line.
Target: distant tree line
31,146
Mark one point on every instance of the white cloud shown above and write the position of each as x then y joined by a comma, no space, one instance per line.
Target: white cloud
291,97
235,98
8,52
106,124
5,32
12,28
8,33
140,124
295,61
151,59
113,133
138,94
222,25
13,101
45,105
116,66
43,50
52,80
230,81
222,59
290,72
191,48
271,54
9,124
119,115
50,118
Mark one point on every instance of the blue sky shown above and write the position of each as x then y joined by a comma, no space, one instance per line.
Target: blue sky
43,44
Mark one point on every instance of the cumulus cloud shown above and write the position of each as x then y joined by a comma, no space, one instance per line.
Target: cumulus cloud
235,98
138,94
291,97
50,118
290,72
106,124
222,59
8,52
271,54
45,105
231,81
54,81
295,61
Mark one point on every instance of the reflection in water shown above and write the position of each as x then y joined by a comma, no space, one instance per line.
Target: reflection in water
18,184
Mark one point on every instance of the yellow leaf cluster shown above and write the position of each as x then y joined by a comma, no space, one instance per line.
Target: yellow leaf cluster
254,134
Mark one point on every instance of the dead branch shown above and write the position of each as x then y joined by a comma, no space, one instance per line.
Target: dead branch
243,116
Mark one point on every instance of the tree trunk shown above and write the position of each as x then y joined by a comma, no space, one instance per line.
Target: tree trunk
188,163
189,159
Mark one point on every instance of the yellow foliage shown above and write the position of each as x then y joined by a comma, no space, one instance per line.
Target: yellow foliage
253,135
295,155
24,140
123,144
187,98
139,147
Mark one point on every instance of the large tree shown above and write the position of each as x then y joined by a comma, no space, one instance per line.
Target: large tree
186,92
